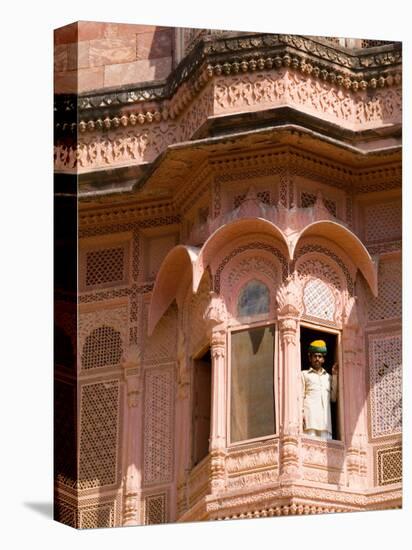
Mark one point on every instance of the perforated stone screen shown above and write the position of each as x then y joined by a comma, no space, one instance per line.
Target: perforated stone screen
155,509
158,426
100,516
319,300
383,222
316,268
389,465
65,514
105,267
388,303
385,380
102,348
263,196
99,434
373,43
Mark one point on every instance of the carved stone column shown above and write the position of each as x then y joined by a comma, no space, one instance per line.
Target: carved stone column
218,421
289,299
133,478
354,398
183,419
216,317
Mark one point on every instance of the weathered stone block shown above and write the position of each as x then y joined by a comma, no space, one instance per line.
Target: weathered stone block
138,71
90,79
112,51
156,44
66,35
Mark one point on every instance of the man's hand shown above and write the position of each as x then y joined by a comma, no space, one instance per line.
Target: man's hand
335,368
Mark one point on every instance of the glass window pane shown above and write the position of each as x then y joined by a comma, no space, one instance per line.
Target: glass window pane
253,299
252,411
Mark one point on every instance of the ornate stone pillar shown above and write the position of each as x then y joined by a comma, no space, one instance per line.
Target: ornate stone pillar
183,419
133,464
289,302
354,398
218,421
216,317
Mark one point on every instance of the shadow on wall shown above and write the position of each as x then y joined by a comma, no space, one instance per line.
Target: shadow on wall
158,49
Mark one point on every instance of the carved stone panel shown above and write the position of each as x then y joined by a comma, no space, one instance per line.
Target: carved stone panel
158,432
99,433
385,384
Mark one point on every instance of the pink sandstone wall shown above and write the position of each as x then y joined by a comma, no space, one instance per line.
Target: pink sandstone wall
110,54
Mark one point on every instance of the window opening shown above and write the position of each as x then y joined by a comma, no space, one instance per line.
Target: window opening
253,299
252,403
317,397
202,383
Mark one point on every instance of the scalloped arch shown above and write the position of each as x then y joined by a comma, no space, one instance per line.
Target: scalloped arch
349,242
178,266
229,232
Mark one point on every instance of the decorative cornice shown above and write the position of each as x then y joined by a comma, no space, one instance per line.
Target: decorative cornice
124,213
317,48
235,167
354,70
314,499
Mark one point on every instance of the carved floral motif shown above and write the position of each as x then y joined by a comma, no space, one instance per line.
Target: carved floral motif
252,458
264,89
285,87
215,313
289,298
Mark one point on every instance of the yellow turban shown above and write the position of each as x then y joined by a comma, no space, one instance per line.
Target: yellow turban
317,346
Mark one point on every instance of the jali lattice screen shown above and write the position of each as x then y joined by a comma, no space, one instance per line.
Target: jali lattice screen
99,433
385,380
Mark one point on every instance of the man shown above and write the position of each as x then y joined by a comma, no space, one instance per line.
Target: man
318,389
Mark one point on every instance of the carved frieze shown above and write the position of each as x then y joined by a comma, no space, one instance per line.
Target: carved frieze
322,454
230,55
285,87
255,479
252,458
124,146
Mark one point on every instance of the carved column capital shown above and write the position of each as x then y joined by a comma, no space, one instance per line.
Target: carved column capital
215,313
288,327
289,297
218,343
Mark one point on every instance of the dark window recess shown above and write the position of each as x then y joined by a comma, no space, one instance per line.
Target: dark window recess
308,335
202,383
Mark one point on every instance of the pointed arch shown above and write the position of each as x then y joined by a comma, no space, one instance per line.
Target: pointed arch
178,266
229,232
349,242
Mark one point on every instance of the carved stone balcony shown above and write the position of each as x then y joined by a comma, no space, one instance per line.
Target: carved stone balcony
191,495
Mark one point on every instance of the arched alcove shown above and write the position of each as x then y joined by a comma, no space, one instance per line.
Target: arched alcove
348,242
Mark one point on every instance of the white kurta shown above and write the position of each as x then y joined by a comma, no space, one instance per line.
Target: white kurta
318,390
